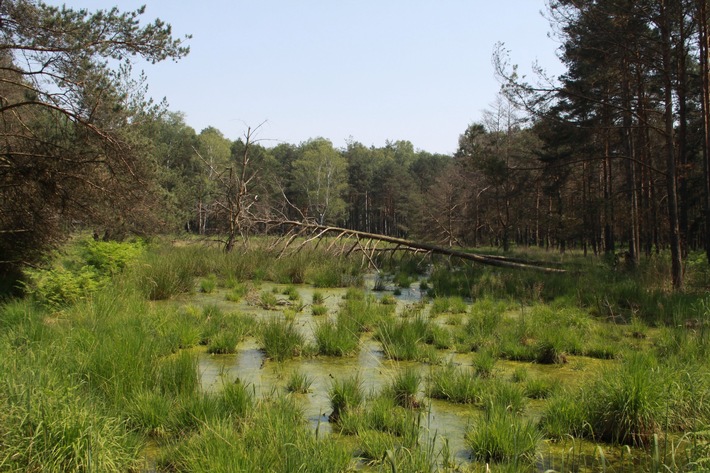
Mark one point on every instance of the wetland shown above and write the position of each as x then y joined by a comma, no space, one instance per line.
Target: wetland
186,359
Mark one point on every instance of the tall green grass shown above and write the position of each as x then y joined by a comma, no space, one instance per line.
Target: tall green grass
501,436
337,338
629,404
454,384
405,339
281,340
274,437
345,395
405,388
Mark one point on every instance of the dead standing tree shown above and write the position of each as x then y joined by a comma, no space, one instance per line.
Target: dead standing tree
234,199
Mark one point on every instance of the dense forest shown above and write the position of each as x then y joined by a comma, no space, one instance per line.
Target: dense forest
611,157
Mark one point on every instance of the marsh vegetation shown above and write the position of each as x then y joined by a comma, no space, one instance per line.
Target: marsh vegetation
184,358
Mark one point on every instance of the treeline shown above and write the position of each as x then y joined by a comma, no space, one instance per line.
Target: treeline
476,197
374,189
624,132
610,157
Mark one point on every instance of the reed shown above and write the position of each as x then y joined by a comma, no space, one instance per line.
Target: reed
48,423
365,313
274,438
541,388
317,298
237,292
150,413
317,310
165,273
177,375
208,284
484,363
507,396
223,342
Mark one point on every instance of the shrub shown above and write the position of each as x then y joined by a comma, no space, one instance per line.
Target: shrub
111,257
59,287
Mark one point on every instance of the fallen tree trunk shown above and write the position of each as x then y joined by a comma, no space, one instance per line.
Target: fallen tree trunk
313,231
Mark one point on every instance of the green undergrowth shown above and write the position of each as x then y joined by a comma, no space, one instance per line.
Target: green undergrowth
80,270
97,374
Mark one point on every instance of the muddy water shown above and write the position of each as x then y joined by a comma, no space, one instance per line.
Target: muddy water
441,421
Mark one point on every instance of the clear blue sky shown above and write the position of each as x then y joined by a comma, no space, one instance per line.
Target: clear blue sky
373,70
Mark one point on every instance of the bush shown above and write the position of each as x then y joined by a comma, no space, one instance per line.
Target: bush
59,287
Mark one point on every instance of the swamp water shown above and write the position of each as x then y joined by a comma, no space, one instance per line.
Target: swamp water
442,422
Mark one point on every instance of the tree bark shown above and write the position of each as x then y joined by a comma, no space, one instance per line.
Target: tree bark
671,171
703,48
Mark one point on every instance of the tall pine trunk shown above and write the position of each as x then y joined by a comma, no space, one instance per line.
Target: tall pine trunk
671,172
